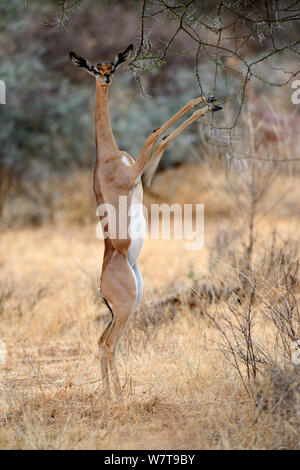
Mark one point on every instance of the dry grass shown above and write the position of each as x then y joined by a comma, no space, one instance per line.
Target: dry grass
179,390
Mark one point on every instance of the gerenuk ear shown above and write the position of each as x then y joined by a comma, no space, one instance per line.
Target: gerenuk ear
81,62
123,56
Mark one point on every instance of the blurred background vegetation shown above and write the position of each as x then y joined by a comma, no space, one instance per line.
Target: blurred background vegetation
46,127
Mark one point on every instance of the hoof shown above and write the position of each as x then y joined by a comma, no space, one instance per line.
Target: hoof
216,108
211,99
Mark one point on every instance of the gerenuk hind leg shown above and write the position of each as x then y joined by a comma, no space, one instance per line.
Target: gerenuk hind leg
103,359
119,288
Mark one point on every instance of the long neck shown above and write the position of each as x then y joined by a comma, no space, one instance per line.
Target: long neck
105,142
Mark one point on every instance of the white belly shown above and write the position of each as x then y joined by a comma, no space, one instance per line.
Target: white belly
137,224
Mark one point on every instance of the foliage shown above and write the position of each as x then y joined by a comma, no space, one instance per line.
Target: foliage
222,35
135,117
47,123
42,115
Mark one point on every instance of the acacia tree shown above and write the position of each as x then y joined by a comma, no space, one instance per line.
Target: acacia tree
230,44
239,39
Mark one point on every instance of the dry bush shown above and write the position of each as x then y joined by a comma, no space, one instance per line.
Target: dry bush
259,323
259,336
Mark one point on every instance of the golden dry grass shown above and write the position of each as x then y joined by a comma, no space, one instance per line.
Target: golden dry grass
179,391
